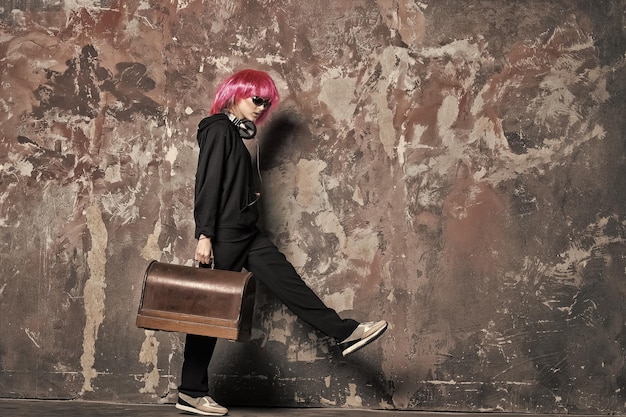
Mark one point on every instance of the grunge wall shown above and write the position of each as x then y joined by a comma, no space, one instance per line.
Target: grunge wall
454,167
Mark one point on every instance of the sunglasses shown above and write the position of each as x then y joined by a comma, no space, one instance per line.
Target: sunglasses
258,101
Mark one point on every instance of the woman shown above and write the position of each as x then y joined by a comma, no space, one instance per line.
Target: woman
226,215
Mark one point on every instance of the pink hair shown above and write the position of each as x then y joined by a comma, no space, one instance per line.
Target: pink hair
242,85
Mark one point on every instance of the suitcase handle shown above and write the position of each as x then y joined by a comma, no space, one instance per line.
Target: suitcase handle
198,266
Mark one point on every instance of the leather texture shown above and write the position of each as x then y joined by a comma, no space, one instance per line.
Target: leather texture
202,301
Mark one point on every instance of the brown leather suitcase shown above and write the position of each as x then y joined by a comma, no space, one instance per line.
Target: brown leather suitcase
202,301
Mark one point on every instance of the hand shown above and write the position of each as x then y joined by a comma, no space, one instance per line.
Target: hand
204,250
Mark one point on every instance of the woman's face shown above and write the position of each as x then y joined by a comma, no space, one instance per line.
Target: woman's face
250,108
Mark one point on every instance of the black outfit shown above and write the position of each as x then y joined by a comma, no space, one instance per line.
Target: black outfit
225,211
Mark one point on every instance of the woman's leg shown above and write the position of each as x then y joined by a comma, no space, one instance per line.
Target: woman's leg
271,267
198,353
199,349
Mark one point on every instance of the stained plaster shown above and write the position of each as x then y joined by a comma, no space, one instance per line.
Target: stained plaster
454,168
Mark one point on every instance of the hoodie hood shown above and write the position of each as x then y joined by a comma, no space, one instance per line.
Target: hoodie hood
208,121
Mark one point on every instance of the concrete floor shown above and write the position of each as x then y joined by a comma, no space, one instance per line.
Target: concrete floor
49,408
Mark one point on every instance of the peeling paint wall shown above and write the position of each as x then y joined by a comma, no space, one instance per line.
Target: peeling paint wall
456,168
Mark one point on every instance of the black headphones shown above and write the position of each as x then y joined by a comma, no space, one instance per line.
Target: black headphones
247,129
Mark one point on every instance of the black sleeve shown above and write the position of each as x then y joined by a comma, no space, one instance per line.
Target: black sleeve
209,177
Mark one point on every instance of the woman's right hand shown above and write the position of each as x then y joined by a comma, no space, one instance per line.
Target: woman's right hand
204,250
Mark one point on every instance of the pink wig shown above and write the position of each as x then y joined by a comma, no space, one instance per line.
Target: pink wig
242,85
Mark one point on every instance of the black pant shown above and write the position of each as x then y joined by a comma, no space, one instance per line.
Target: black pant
259,256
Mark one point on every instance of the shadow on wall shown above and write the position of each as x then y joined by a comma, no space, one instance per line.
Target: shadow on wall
253,374
278,135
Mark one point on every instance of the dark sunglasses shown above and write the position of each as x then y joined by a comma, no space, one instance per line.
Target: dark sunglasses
258,101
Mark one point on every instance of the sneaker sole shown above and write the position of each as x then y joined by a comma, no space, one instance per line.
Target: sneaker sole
196,411
364,342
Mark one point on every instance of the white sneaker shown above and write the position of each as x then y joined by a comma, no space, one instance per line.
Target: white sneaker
204,406
364,334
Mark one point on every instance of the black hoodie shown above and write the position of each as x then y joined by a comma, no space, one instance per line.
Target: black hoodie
225,199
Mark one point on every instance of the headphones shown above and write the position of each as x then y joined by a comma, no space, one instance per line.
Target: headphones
247,129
